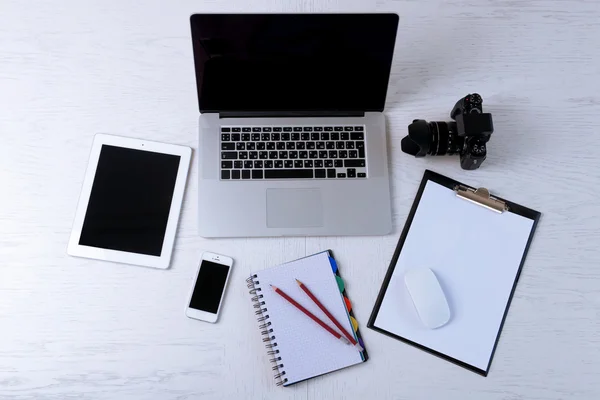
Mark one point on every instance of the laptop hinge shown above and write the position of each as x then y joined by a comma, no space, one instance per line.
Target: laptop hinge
288,114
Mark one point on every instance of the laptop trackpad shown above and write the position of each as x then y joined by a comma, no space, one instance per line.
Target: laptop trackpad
294,208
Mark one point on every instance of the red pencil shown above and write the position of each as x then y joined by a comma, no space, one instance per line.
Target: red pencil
331,317
305,311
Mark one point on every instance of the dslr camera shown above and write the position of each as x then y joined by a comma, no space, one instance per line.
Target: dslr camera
466,135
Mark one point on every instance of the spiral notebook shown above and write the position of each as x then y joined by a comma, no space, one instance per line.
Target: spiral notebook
297,347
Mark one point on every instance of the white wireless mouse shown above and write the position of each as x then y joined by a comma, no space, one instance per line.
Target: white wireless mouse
428,297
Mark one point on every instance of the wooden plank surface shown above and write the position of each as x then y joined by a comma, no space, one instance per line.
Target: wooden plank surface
76,328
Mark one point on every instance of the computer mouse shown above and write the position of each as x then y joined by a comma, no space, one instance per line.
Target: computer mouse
428,297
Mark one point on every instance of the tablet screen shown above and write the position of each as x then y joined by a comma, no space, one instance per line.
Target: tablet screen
130,200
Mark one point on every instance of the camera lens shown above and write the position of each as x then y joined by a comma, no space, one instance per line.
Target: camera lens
434,138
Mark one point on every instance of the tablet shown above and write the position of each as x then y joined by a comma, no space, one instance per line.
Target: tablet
130,201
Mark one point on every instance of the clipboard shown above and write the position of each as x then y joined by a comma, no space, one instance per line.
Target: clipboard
452,228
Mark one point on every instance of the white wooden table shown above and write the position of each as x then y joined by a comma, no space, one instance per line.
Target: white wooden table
77,328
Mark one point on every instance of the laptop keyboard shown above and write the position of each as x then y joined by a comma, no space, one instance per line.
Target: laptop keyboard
293,152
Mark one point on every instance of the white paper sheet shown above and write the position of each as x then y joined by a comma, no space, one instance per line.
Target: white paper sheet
475,253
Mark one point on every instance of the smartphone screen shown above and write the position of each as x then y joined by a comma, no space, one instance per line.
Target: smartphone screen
209,287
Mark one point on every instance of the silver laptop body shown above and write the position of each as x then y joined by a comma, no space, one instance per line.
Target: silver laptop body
296,173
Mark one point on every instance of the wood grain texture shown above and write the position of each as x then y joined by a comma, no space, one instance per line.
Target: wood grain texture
76,328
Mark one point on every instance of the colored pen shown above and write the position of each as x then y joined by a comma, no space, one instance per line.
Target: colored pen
331,317
308,313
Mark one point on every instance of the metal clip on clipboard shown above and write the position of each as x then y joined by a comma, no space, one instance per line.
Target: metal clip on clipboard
481,197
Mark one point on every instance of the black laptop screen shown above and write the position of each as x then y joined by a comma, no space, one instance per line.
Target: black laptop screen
293,62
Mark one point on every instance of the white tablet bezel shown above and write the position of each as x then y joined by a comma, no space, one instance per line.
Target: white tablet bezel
162,261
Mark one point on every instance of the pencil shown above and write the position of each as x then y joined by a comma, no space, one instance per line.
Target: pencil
331,317
308,313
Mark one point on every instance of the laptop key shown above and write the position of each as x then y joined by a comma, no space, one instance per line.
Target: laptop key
229,155
354,163
261,145
320,173
278,164
245,174
351,173
288,174
328,128
305,135
300,146
235,137
238,164
318,163
276,129
320,145
303,154
323,154
359,128
335,136
353,154
280,146
265,137
349,145
228,146
295,136
263,155
340,145
269,164
348,128
235,129
324,135
293,154
257,174
256,137
311,145
246,137
343,153
338,163
275,137
226,164
290,146
333,154
307,129
331,173
338,128
271,146
235,174
297,129
318,128
328,163
253,155
315,135
225,137
256,129
313,154
330,145
362,175
248,164
225,174
357,136
308,163
251,146
243,155
225,129
246,130
344,135
287,129
288,164
285,136
273,155
283,154
298,164
266,129
341,175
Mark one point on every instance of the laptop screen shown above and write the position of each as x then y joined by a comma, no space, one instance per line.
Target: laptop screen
292,62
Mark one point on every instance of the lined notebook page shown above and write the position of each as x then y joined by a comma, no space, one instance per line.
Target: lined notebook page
305,348
475,254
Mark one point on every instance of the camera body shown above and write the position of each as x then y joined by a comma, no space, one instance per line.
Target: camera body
466,135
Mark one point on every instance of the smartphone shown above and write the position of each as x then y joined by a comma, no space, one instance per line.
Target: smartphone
206,295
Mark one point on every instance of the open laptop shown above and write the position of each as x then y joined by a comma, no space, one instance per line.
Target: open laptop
292,135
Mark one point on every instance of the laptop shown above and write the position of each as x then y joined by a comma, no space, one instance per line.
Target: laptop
292,137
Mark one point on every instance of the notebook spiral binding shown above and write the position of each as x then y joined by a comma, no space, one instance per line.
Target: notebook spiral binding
265,329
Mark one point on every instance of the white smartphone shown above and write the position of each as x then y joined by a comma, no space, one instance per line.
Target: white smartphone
206,296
